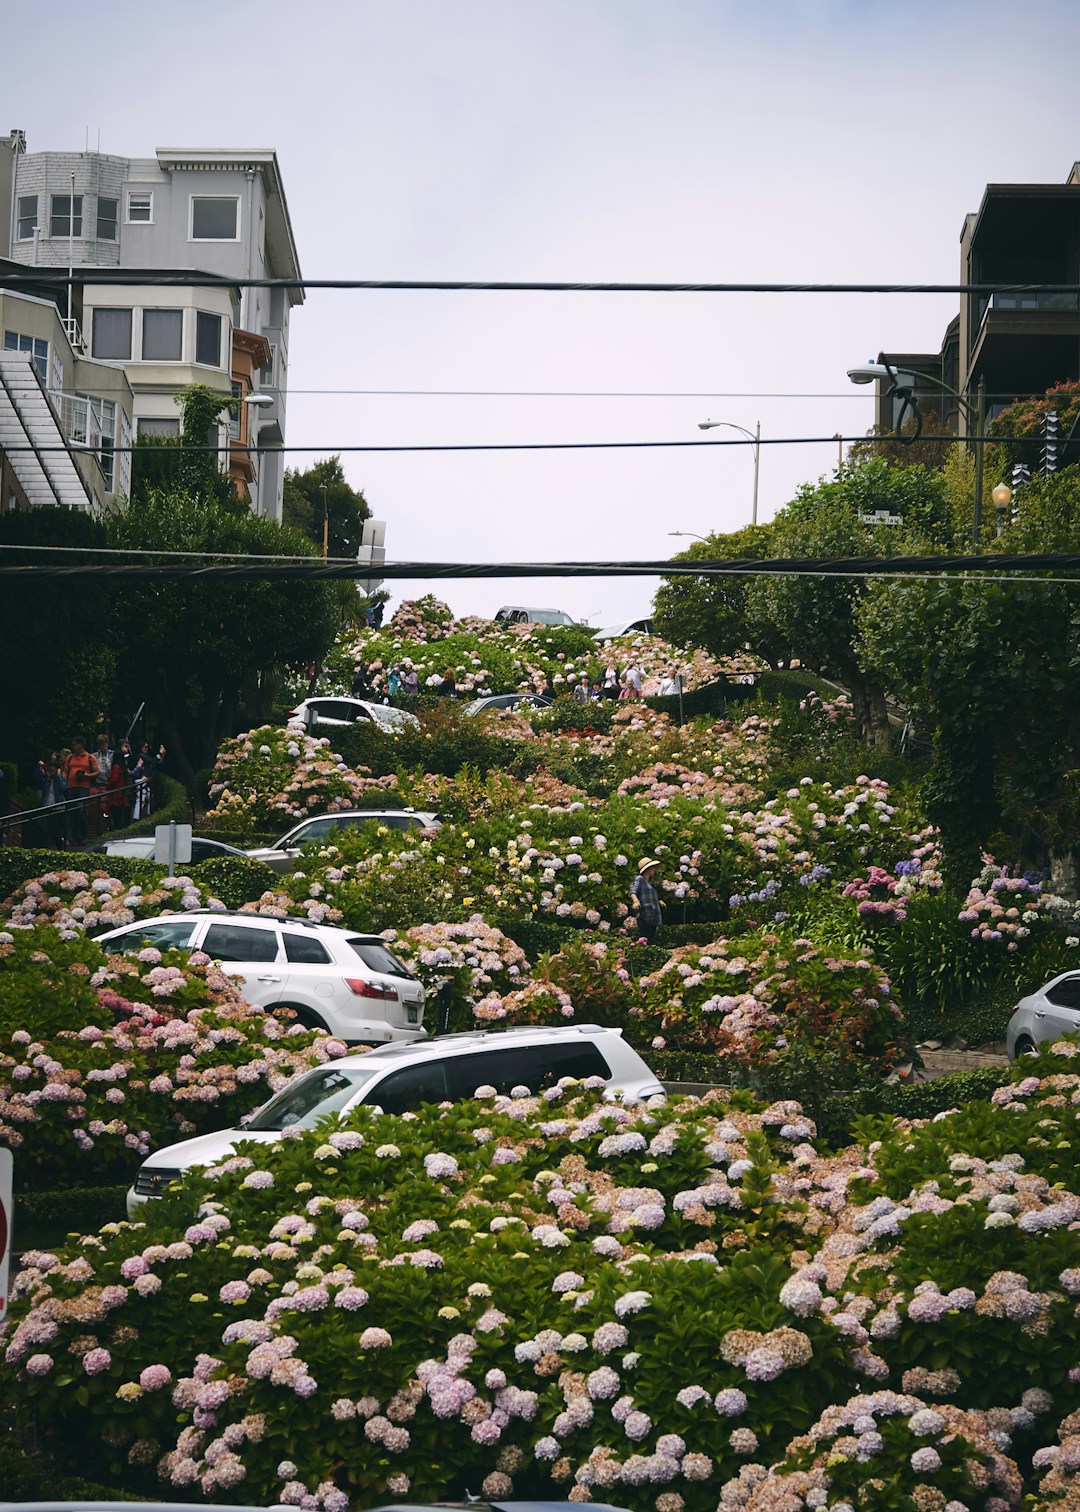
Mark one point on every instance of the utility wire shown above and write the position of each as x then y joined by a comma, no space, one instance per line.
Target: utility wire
943,566
504,446
1005,394
194,279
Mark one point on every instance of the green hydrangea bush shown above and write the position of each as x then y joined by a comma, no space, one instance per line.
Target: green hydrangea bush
103,1058
668,1306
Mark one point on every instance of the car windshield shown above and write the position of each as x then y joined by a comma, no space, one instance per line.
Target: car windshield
376,957
326,1091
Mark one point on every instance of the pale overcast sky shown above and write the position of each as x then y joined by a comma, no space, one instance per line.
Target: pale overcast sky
671,140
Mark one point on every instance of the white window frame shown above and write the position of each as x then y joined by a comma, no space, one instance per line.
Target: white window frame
227,240
20,217
105,411
271,367
116,218
160,310
222,332
70,234
123,480
236,414
128,309
138,220
28,346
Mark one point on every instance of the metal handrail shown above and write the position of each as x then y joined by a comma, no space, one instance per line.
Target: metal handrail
66,804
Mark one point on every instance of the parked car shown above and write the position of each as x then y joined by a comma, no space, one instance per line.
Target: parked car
400,1078
1044,1016
517,614
625,627
506,701
334,713
202,848
335,979
284,853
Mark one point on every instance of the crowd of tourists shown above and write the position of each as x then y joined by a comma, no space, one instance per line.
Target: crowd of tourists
88,792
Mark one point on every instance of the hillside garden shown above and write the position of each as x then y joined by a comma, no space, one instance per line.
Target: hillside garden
818,1286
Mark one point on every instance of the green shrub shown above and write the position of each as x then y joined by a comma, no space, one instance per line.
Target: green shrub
27,1475
839,1116
234,879
18,865
171,805
45,1218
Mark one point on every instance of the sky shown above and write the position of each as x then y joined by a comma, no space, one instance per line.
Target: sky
616,140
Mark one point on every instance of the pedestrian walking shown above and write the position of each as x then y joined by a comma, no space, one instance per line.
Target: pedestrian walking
645,900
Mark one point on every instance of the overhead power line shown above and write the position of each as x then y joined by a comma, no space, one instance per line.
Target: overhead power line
194,279
316,570
498,446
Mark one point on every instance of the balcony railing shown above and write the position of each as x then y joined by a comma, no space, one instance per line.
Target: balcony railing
1022,300
74,336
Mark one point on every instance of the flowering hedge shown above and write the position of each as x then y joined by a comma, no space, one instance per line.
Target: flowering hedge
278,775
648,1305
103,1057
460,962
73,901
487,656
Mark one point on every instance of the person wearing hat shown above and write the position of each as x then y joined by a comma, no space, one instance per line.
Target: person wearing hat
644,899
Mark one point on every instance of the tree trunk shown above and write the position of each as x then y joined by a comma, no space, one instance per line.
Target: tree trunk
178,754
880,734
871,714
1065,876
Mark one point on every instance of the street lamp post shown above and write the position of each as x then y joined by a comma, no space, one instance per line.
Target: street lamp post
974,414
692,533
754,437
254,403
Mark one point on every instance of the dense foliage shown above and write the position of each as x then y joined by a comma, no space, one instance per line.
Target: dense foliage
535,1296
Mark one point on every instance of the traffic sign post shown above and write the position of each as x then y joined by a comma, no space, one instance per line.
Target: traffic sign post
172,843
6,1224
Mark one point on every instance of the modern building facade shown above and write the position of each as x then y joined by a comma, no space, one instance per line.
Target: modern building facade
1015,344
198,211
66,420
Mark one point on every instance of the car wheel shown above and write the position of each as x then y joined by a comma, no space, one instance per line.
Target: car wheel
297,1014
1025,1046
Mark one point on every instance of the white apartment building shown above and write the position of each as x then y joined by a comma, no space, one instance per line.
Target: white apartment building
65,420
205,210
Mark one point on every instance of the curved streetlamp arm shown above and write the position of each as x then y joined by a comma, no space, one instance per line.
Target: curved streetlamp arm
906,391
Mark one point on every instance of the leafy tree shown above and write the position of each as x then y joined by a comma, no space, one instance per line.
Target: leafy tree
932,449
1017,432
200,651
347,509
818,616
58,639
991,670
187,463
716,612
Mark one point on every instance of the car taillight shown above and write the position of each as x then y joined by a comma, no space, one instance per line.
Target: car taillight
362,988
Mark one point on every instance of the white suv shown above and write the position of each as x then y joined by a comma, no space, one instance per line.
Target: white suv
400,1078
284,853
334,979
315,713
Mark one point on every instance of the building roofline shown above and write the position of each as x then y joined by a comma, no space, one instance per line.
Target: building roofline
265,161
1021,192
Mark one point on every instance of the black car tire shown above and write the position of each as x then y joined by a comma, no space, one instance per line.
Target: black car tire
300,1015
1025,1045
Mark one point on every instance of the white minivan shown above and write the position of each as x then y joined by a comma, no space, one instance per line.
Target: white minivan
401,1078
